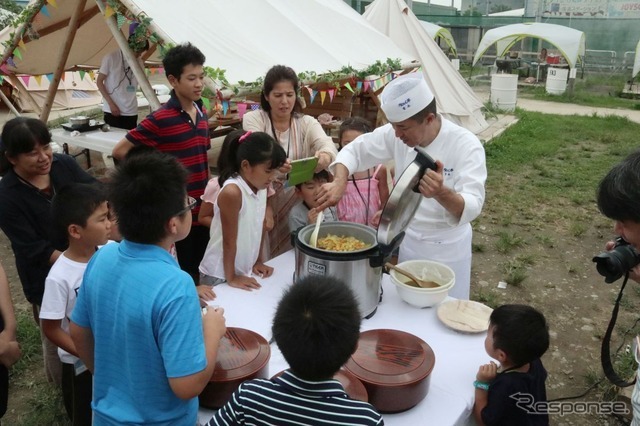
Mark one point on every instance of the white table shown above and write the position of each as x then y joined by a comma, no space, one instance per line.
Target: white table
458,356
95,140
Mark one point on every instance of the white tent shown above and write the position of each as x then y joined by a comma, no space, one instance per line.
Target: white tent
75,90
513,12
454,97
570,42
243,37
436,31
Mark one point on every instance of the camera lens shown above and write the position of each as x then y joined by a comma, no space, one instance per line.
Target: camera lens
614,264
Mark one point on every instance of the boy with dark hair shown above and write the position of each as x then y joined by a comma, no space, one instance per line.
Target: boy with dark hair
137,323
180,128
305,211
316,326
79,213
507,395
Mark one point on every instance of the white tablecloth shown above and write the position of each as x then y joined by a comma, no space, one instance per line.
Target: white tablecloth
458,356
96,140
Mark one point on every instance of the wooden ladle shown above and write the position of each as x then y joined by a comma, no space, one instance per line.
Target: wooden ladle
416,281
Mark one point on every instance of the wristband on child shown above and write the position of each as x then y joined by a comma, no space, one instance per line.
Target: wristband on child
481,385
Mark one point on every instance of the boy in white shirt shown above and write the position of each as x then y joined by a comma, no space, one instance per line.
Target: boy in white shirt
81,212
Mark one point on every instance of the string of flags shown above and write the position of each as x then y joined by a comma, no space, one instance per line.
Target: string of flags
360,86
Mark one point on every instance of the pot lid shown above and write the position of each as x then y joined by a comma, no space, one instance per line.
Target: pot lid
391,358
241,354
404,198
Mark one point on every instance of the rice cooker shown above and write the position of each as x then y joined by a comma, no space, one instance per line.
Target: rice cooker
362,269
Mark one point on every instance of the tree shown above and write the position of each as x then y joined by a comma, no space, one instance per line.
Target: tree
10,6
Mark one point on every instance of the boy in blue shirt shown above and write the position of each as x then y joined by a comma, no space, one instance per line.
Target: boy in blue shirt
137,323
80,214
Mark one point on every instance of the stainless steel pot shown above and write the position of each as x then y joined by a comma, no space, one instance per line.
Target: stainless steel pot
361,270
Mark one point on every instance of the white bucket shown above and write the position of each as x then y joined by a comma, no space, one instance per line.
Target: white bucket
557,80
504,91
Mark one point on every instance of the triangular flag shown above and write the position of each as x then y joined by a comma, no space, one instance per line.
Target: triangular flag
45,11
359,85
323,94
108,11
50,77
310,90
22,45
348,86
366,85
331,93
25,80
11,62
82,74
1,79
242,108
225,107
92,75
38,79
207,103
17,54
52,3
4,69
63,76
120,19
313,95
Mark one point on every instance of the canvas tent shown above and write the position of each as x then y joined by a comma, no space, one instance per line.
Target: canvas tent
570,42
436,31
76,89
243,37
454,97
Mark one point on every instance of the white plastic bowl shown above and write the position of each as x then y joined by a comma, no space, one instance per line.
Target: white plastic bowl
423,297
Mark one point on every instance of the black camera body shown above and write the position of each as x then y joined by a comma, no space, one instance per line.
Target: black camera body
615,263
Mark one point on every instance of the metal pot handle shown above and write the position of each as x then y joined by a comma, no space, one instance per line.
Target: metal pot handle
425,161
382,255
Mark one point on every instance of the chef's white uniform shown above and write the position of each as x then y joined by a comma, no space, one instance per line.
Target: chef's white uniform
433,233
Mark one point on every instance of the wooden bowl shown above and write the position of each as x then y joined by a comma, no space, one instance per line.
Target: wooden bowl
242,355
351,384
394,367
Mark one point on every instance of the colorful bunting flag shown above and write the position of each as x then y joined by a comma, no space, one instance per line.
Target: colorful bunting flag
25,80
359,86
348,86
242,108
22,45
45,11
331,93
1,79
108,11
38,79
92,75
63,76
323,94
207,103
50,77
52,3
4,69
366,85
313,95
11,62
82,74
17,54
225,107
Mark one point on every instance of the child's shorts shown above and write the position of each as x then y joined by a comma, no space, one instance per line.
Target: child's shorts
212,281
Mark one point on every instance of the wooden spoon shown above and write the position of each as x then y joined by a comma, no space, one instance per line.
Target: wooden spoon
313,240
418,282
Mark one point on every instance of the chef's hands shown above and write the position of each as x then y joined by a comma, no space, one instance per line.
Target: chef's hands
487,372
432,182
329,194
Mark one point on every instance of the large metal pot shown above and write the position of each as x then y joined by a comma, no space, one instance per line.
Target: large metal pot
362,269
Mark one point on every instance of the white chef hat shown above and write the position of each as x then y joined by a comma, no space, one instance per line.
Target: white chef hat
405,96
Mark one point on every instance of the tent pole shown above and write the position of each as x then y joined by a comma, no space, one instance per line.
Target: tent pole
145,86
16,82
62,59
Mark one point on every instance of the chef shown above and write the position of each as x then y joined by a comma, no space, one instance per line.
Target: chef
453,193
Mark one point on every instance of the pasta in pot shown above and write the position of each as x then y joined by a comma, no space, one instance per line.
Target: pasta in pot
341,243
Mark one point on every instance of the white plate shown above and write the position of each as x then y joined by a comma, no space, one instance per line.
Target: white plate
465,316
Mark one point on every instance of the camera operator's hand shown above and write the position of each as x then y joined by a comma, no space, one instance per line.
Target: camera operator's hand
634,273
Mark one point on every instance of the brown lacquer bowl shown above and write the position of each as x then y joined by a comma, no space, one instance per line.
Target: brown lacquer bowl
351,384
242,355
395,368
